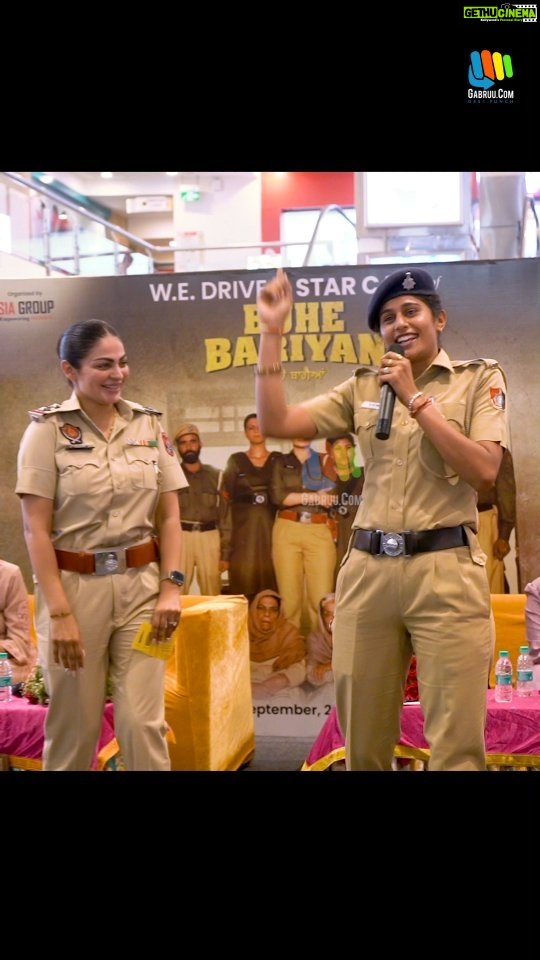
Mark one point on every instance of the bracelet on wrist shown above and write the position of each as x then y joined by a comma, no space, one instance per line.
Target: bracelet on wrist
412,400
60,616
262,371
424,402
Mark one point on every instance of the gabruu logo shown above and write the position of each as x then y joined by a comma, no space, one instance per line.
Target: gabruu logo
486,67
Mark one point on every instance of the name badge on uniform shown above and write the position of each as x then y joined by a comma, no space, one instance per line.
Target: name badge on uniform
370,404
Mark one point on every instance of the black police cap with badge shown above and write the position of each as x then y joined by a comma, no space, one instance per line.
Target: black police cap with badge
398,284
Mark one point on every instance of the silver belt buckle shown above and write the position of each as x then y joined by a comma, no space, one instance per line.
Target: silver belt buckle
110,561
304,516
392,544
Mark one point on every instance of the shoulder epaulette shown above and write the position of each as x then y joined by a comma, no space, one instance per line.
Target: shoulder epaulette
150,410
475,362
365,369
40,413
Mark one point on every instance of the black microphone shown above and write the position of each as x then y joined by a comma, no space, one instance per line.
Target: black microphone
388,399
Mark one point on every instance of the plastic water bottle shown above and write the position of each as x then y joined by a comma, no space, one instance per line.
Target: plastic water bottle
5,678
503,678
524,673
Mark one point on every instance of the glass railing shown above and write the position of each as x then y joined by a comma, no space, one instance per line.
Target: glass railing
60,237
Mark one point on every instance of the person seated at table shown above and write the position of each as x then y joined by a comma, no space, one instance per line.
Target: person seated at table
319,644
15,637
532,618
277,649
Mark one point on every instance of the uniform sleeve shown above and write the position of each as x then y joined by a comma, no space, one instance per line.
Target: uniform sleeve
277,491
224,521
172,475
36,461
333,412
489,412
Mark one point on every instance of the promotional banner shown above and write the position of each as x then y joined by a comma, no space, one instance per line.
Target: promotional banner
192,339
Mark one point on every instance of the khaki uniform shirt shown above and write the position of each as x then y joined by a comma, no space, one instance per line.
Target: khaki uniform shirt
407,484
105,493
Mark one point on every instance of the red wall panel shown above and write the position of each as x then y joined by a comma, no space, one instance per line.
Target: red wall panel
300,191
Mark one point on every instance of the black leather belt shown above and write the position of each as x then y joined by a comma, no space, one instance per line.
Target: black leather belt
408,542
257,499
194,525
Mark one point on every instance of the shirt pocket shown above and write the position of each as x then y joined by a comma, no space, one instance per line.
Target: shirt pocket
454,413
76,476
365,420
143,467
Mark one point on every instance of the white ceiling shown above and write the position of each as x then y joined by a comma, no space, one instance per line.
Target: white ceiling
113,192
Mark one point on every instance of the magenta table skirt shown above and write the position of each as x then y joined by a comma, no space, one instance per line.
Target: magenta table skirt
21,733
512,735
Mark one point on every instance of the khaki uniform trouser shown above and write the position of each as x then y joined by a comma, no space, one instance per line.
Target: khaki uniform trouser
109,611
304,558
201,553
437,606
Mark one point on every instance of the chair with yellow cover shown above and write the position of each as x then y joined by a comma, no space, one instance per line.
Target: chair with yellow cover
208,703
510,633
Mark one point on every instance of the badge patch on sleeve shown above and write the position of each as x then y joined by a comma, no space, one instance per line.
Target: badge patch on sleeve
168,445
497,397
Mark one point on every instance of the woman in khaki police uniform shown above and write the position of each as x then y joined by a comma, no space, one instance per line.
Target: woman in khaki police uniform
413,580
98,481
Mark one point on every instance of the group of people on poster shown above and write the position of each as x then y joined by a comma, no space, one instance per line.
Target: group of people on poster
277,526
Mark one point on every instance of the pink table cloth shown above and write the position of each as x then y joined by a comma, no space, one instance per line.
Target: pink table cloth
21,732
512,731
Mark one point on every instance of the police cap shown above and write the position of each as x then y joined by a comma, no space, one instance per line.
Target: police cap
397,284
186,428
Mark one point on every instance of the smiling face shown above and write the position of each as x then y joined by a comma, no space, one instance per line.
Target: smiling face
409,321
99,378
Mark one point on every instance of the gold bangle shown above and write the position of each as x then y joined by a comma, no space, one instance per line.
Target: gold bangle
427,401
262,371
59,616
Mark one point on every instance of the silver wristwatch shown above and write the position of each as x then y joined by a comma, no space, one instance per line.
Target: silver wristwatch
175,576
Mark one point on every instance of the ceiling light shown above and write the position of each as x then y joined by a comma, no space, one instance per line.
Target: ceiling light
107,175
171,174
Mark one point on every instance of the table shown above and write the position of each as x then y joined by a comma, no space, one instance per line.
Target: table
21,733
512,735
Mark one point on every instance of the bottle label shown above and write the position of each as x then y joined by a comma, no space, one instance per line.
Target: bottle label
525,676
5,681
504,680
